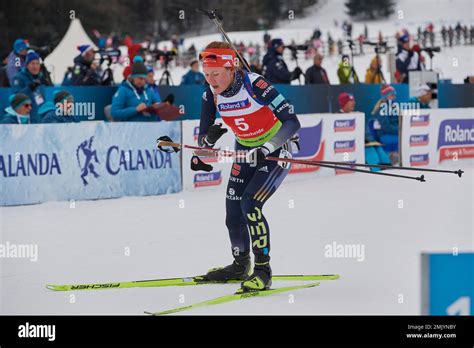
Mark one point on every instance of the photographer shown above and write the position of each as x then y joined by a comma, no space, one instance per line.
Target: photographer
345,72
373,72
275,69
16,58
85,71
31,82
407,59
135,100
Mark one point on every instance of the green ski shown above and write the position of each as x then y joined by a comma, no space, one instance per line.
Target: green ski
235,297
185,281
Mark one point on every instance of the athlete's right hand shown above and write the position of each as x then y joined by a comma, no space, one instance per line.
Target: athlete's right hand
214,133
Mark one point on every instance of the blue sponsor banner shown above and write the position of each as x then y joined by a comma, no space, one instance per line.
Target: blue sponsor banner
305,99
87,160
448,284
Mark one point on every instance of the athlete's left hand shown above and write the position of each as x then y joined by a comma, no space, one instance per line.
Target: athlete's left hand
257,156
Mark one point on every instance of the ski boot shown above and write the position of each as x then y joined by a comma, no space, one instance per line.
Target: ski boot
260,279
238,270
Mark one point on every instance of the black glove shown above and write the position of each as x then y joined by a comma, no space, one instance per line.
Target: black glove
257,156
214,133
34,84
197,164
296,73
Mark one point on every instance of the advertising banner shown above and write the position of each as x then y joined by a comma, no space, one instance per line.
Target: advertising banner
433,137
87,160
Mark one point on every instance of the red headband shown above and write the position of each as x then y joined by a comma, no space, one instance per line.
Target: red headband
217,58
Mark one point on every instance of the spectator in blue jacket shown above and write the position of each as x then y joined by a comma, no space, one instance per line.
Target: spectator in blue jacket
193,76
85,71
150,80
19,110
275,69
422,98
134,99
16,58
61,111
383,123
31,81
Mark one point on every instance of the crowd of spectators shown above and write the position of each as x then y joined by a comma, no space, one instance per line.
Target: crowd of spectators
138,99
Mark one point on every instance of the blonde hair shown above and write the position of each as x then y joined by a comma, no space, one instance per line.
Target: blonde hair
220,44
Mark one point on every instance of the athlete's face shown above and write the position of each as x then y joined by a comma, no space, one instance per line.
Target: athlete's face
218,78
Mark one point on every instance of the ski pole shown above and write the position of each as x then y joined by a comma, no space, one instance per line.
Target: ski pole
458,172
216,17
166,141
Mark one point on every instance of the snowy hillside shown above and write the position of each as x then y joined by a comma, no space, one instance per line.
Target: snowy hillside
415,13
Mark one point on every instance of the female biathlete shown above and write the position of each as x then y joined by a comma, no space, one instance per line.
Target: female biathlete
263,123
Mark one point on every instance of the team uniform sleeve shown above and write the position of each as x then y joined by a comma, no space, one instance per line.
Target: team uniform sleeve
269,96
208,114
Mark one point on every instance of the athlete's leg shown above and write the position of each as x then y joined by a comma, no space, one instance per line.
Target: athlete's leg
236,223
261,187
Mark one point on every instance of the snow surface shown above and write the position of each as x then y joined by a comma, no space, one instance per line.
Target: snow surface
88,244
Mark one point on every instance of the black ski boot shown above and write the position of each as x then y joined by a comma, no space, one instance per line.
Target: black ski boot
260,279
238,270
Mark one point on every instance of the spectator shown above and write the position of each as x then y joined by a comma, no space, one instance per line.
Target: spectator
458,30
134,99
19,110
150,80
422,98
374,73
407,60
346,103
275,69
345,72
16,59
374,153
316,74
444,33
85,71
450,36
31,81
193,76
383,124
133,51
61,111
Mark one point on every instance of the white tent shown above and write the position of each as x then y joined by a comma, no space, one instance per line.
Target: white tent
63,55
